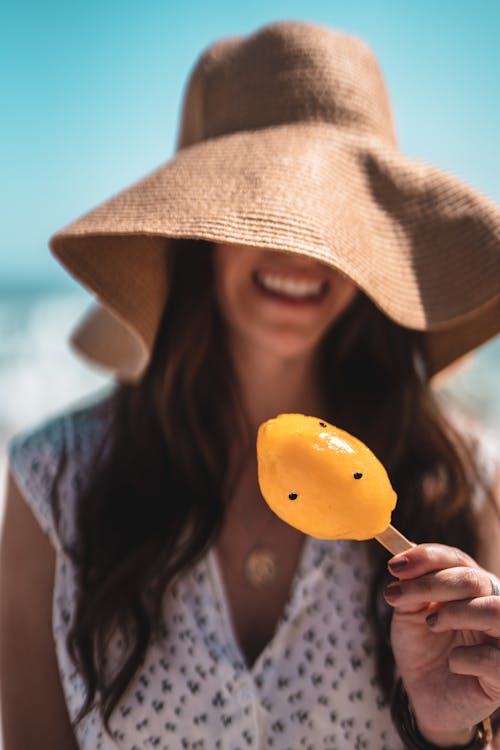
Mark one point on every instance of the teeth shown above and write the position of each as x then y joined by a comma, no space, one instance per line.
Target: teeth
298,289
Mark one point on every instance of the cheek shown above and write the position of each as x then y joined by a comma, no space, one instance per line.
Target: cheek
222,270
231,282
343,296
347,295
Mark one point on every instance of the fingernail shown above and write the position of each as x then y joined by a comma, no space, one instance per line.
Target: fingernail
432,618
392,591
398,564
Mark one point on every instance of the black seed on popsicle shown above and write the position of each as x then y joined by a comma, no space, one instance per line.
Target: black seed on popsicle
293,495
322,424
357,475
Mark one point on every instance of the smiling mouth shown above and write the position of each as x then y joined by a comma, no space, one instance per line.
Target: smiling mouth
291,288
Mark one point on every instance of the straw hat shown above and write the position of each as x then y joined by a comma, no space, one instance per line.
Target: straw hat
287,141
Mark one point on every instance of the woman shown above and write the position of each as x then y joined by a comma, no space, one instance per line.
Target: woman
330,275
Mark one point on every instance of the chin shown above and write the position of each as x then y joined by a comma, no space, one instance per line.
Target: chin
289,347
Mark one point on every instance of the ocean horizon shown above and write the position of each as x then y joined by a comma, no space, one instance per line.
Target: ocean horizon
40,375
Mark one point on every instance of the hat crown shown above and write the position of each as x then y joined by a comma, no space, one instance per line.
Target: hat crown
295,151
288,72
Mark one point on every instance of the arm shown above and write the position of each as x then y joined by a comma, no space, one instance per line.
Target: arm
446,634
34,712
489,552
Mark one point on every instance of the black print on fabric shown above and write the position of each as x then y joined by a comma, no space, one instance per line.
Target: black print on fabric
312,687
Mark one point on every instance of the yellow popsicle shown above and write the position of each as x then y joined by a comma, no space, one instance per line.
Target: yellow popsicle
325,482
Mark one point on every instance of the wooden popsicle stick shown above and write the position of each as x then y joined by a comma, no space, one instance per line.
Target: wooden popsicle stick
393,540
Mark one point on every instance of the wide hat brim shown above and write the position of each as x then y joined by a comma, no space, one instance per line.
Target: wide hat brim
421,243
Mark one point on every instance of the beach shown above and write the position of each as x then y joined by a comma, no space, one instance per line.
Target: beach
39,373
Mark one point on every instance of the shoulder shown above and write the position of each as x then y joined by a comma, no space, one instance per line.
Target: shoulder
85,418
51,458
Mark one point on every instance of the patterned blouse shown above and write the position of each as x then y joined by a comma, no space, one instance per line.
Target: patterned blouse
313,687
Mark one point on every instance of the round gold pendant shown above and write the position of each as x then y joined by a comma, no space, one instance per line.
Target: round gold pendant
260,567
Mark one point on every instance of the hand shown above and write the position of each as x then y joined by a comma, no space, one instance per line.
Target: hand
444,637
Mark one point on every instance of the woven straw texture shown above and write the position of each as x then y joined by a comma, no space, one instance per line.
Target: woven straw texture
287,141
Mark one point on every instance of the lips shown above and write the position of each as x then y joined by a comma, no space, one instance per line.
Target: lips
290,287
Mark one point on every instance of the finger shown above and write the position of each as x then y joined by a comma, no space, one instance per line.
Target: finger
447,585
480,661
427,558
482,614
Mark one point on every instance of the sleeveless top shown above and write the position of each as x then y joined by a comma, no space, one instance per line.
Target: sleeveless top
312,687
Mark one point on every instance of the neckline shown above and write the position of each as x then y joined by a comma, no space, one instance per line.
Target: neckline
231,640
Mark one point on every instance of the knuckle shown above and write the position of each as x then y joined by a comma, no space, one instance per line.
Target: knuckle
453,555
489,609
489,656
493,611
472,581
484,659
422,585
463,559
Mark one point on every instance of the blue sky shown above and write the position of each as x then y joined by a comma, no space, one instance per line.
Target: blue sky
91,91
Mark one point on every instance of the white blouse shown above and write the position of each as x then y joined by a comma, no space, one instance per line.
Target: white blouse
313,687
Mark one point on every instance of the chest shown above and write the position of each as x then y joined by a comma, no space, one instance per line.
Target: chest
257,556
313,682
257,602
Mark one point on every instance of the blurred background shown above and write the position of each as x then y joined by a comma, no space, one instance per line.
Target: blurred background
90,95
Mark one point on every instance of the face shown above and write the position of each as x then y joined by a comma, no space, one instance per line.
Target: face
278,301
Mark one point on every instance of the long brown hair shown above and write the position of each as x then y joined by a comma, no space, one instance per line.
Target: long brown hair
156,503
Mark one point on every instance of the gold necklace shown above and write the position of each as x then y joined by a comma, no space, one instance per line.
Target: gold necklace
260,566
